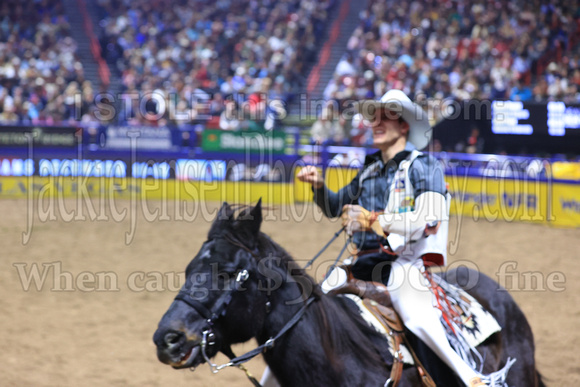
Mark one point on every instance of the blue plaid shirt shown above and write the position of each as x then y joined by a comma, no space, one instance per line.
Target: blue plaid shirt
371,187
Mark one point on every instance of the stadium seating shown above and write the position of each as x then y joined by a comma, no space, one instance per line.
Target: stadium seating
41,78
191,50
463,50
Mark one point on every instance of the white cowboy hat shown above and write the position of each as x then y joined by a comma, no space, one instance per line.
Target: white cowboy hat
398,103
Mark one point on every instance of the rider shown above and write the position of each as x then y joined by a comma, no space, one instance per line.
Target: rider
399,194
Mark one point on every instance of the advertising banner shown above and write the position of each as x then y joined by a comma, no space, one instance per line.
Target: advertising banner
138,137
55,137
253,142
566,204
499,198
50,192
488,199
180,169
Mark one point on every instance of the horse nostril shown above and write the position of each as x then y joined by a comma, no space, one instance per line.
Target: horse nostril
172,338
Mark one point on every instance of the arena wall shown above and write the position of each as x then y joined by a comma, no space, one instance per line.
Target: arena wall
538,201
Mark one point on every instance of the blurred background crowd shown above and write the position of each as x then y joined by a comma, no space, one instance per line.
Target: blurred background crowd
40,74
242,51
516,49
228,60
460,49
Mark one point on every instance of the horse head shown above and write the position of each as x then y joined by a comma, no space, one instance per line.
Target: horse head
221,280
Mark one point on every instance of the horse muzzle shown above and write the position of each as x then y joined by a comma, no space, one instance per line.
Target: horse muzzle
177,350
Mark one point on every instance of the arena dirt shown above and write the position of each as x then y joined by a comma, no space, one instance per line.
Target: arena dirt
102,337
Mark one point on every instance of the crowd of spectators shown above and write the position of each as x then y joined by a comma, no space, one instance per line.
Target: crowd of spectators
228,62
253,52
462,49
41,78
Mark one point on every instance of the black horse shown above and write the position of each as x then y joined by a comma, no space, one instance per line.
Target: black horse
242,285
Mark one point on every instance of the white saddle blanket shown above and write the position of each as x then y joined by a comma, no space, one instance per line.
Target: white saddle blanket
472,324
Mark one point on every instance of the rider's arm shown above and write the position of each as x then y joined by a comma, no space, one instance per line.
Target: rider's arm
427,177
430,207
331,202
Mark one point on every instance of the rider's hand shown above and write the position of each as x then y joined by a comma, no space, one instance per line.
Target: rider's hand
356,218
309,174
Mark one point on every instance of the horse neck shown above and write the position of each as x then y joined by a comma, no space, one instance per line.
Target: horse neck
281,277
286,357
307,354
328,341
286,299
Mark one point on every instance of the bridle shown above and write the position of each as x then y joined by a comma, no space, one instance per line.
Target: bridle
218,309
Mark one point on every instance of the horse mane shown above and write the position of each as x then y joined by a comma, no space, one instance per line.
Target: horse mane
342,329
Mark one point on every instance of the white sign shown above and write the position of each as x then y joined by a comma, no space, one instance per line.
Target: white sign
505,116
561,118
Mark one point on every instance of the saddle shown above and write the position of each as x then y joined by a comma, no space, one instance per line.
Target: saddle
377,301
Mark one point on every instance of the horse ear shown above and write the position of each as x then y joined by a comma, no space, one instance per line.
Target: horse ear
256,217
248,223
225,212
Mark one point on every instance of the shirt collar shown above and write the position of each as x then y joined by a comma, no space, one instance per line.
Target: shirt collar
373,157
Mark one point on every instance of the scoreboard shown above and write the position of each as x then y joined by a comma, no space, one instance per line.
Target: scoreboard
554,118
515,127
